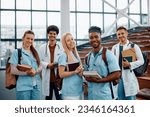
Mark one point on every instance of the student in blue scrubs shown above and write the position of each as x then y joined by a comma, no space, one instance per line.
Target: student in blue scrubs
128,85
72,81
28,86
100,89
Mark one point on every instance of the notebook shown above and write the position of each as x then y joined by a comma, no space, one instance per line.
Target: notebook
23,67
73,66
92,74
128,58
129,53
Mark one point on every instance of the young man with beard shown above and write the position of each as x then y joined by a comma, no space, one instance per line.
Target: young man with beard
100,88
128,85
49,55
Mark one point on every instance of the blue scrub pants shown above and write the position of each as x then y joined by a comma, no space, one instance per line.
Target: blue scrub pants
33,94
121,92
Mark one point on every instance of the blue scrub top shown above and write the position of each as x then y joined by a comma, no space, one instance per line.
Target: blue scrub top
72,85
101,91
26,82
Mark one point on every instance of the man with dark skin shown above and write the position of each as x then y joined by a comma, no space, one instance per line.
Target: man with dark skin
99,88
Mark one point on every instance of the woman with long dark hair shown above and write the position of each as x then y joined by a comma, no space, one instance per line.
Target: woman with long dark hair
28,86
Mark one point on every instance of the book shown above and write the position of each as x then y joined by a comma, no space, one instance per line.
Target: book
128,58
23,67
92,74
73,66
129,53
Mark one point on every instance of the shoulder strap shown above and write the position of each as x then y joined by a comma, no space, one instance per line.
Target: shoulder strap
105,58
104,55
86,61
19,59
19,55
132,44
106,63
87,58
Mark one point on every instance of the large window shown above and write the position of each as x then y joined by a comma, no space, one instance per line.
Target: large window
135,7
7,4
54,19
82,26
96,5
23,22
17,16
23,4
7,25
82,5
96,20
39,24
109,7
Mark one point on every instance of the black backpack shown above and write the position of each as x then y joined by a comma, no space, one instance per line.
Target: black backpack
141,69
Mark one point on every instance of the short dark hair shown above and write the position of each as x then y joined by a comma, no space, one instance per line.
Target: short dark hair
52,28
94,29
121,27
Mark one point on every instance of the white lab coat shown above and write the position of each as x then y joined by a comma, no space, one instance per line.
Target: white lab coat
130,82
45,60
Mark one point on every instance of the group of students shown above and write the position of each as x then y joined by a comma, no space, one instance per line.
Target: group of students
53,58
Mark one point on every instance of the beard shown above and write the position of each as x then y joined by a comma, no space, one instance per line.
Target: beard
95,44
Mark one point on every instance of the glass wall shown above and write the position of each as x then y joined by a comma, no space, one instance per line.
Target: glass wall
103,14
17,16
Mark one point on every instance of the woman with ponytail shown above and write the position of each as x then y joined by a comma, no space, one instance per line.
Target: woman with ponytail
28,86
72,79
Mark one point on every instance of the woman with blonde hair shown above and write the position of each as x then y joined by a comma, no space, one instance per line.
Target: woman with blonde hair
70,69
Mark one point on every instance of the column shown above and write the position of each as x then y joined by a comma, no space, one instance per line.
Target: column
65,16
148,11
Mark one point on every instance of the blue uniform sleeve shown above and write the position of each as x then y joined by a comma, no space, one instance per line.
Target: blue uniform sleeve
14,57
112,62
62,60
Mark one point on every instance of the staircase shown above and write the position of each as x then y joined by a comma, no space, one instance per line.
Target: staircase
139,36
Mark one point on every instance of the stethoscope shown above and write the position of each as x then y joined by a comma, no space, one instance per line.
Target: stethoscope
46,54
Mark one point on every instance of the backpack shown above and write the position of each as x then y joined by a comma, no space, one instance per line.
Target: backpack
115,82
141,69
10,79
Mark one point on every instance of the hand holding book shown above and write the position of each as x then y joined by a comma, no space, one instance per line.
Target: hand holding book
126,62
24,67
91,74
73,66
79,70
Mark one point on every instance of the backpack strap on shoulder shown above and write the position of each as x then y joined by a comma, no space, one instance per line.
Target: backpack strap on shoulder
132,44
87,58
106,63
104,56
19,55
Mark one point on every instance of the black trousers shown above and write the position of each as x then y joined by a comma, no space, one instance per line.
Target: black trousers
57,95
